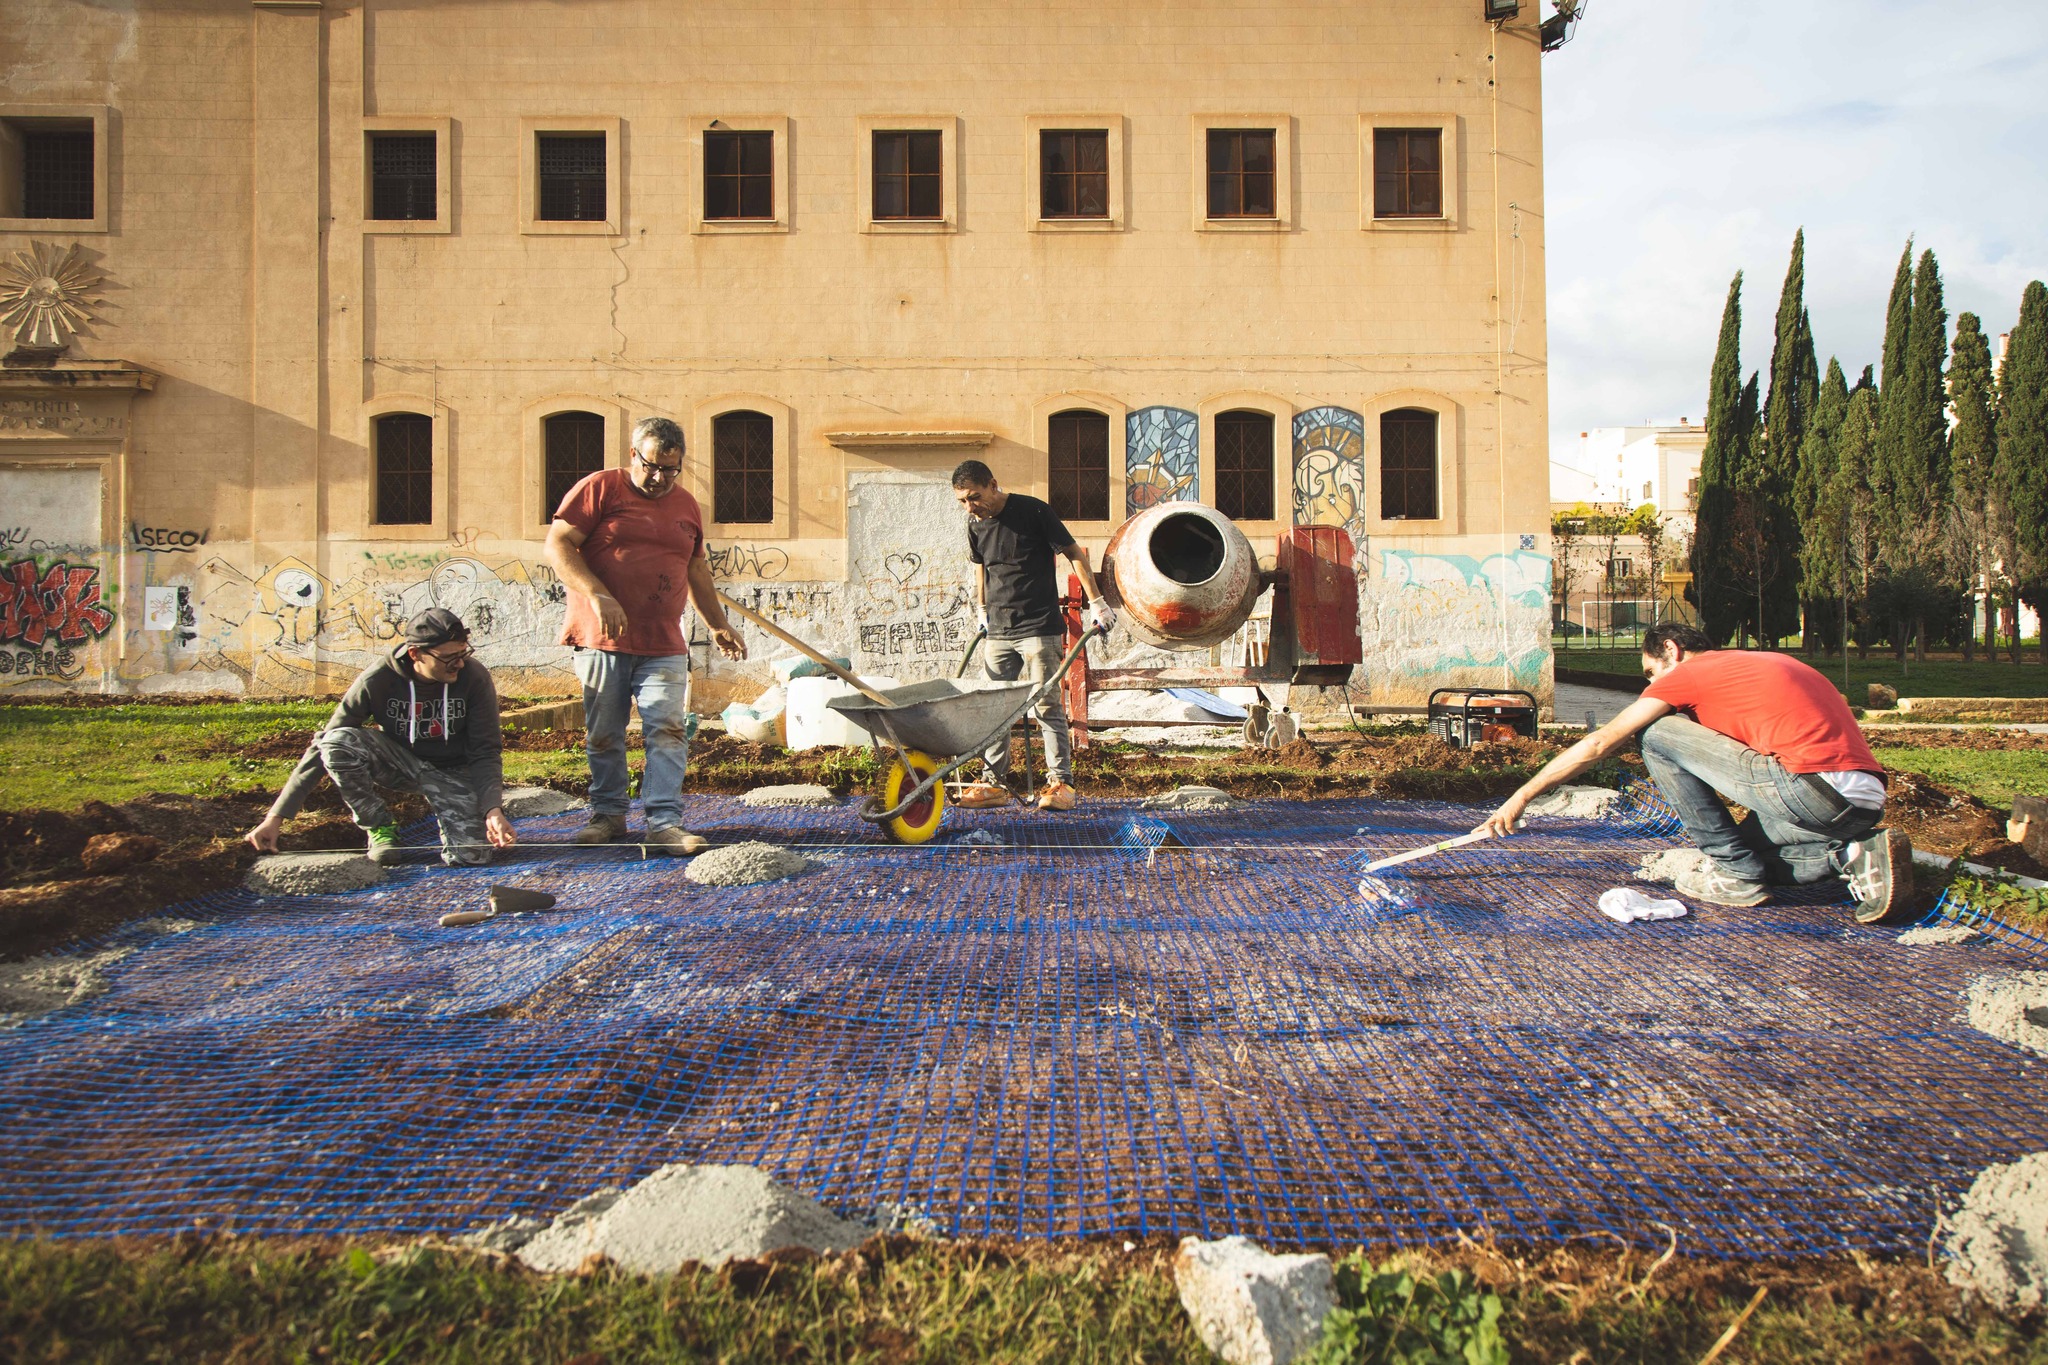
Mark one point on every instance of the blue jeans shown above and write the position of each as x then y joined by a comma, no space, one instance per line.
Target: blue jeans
1797,826
656,683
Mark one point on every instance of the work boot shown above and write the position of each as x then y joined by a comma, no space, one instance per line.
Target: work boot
602,829
384,850
1717,887
1880,872
673,841
1058,796
982,796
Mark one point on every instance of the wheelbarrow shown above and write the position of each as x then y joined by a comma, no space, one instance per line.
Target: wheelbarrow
933,727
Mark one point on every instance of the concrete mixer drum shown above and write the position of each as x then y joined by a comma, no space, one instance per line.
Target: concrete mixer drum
1183,575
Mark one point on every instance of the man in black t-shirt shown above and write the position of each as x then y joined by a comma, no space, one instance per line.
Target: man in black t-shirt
1014,540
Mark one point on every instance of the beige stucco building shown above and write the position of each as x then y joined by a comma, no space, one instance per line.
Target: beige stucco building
361,283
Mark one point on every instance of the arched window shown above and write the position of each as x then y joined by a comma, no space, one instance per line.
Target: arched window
1077,470
1244,465
405,468
1408,465
743,467
574,443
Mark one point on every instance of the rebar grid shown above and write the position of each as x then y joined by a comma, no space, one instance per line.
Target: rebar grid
1086,1031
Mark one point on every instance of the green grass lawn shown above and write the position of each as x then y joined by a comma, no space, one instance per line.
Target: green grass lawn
1935,678
257,1301
1992,776
63,756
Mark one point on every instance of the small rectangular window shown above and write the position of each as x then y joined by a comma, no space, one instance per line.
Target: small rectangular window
405,469
1241,172
56,171
1407,173
575,448
1077,465
572,188
739,175
1408,483
1244,465
743,467
402,177
1073,167
909,183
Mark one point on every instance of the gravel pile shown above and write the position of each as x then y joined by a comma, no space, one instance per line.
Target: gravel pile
745,865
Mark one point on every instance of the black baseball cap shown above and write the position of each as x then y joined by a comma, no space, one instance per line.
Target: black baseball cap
434,626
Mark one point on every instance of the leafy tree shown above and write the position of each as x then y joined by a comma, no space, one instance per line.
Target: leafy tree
1821,534
2022,464
1721,462
1973,448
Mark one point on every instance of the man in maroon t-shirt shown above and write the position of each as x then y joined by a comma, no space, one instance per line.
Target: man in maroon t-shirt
1772,735
629,544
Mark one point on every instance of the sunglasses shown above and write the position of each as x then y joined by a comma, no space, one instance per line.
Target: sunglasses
672,470
455,658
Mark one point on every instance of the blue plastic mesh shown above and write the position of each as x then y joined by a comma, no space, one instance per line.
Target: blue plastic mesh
1090,1030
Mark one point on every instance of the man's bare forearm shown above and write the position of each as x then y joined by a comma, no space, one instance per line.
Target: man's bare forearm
704,595
571,568
1078,554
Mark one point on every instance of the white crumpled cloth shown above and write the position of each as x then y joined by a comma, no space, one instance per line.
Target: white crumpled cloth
1624,904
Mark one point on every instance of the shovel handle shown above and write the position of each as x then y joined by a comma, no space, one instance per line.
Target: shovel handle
1426,850
800,647
458,918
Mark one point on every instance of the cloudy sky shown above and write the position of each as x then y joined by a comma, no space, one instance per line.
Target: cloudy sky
1688,139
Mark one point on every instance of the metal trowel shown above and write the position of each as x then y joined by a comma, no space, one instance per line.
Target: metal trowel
505,900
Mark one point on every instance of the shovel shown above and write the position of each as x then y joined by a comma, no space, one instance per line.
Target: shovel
505,900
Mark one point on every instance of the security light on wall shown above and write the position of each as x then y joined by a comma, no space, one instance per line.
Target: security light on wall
1500,11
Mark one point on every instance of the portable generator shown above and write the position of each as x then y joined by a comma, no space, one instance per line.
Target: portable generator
1464,716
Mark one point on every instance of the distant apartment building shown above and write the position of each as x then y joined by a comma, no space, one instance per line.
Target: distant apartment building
1603,581
312,312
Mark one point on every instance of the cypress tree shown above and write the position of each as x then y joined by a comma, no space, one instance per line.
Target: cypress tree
1720,463
1972,449
2022,467
1795,385
1821,535
1919,508
1848,506
1887,459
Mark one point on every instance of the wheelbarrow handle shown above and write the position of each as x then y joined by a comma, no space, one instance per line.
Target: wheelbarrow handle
800,647
874,815
968,657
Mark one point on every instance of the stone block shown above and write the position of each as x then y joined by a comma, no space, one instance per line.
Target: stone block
1882,697
707,1214
2029,826
1249,1306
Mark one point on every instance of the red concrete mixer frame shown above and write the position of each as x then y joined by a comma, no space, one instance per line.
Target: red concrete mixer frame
1315,640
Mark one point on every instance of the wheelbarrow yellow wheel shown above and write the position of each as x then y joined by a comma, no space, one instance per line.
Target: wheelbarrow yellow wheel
921,821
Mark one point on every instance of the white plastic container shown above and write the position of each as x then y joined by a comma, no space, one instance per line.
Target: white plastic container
811,723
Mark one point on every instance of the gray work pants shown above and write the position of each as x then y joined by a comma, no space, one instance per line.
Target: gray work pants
361,760
1034,660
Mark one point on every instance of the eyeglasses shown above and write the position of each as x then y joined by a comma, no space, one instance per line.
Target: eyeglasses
672,470
457,657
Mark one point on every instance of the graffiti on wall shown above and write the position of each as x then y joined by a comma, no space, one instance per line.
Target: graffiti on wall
1329,469
1162,457
747,561
1427,616
49,612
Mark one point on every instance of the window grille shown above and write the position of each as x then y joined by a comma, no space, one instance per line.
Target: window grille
1077,472
572,173
574,449
56,173
402,177
1244,465
405,469
743,467
1408,476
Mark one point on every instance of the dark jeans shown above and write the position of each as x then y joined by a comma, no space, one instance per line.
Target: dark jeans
1797,825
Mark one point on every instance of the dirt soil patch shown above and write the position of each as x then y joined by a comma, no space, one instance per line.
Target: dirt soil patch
47,897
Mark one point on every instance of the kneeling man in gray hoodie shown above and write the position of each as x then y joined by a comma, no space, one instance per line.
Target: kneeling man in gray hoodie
436,710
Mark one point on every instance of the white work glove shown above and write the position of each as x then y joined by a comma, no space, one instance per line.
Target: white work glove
981,617
1101,614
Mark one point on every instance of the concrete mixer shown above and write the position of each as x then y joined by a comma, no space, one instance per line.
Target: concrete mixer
1185,578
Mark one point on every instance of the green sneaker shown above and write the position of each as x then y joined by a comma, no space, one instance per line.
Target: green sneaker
384,845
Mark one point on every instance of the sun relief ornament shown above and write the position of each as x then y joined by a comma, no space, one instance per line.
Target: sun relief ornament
46,299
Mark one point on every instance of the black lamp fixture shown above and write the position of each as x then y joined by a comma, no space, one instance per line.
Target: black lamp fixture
1500,11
